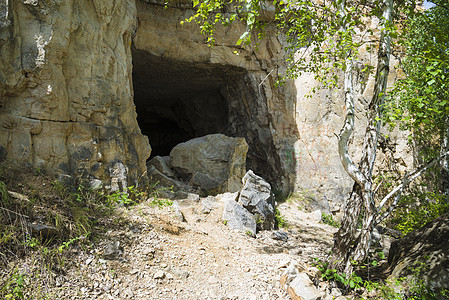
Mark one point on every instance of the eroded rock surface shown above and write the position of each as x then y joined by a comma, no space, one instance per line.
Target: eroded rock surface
252,208
215,163
66,100
257,198
423,253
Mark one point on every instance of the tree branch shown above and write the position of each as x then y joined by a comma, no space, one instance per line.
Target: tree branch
399,189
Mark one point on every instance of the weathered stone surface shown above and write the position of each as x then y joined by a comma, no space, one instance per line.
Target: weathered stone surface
68,75
161,164
319,120
178,211
112,250
302,288
213,162
257,198
65,93
163,180
426,246
207,204
298,284
244,82
166,186
237,217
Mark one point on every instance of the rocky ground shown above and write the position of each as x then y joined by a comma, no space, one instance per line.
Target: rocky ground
155,255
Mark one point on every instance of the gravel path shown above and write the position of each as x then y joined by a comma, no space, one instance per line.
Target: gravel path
155,256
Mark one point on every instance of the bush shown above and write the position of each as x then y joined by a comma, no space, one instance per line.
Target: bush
279,220
417,209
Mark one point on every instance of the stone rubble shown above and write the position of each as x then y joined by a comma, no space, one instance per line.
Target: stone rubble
153,255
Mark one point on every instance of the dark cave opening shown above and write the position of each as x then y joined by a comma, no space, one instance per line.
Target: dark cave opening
177,101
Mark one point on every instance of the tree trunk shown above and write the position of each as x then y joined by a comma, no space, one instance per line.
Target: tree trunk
444,181
348,246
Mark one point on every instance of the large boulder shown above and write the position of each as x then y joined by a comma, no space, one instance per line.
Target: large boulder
257,198
424,253
214,162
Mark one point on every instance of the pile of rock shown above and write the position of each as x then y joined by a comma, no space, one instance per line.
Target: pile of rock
252,208
213,163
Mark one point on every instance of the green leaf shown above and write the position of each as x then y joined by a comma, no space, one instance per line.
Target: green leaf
243,38
351,283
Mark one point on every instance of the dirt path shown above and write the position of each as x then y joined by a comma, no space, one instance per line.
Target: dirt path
160,257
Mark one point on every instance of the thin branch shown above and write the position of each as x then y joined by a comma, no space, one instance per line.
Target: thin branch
377,187
405,181
13,212
265,78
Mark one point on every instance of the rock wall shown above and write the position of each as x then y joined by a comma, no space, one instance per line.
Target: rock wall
66,86
319,120
66,99
72,74
256,110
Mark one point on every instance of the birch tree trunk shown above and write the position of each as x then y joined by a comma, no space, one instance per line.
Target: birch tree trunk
444,181
348,246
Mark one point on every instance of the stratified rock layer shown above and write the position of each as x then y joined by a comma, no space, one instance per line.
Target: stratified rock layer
65,93
73,74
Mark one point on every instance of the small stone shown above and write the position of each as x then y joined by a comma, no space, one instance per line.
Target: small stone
207,204
112,250
295,251
128,293
180,273
88,261
179,215
279,235
107,287
302,288
193,197
96,184
336,292
169,276
159,275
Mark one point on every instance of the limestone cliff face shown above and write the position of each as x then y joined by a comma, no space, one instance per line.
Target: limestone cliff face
319,120
66,99
67,92
86,86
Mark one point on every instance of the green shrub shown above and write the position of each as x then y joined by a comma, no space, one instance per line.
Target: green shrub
279,219
329,220
417,209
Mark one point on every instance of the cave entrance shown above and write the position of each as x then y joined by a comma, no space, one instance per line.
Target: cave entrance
177,101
